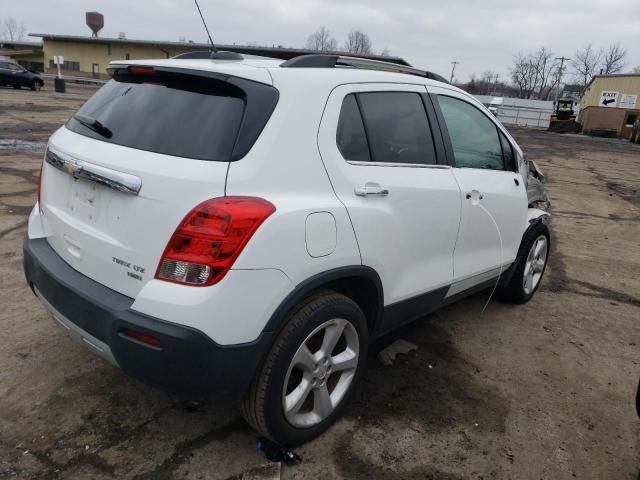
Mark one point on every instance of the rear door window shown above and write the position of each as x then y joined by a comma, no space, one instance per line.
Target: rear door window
351,137
180,115
397,127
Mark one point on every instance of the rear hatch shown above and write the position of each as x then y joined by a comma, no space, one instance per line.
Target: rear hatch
139,155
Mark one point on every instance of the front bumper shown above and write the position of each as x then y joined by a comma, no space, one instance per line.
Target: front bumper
187,359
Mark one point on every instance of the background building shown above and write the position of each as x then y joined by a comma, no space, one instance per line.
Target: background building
90,56
611,103
27,54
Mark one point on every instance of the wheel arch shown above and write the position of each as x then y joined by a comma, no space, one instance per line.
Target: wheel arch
359,283
534,215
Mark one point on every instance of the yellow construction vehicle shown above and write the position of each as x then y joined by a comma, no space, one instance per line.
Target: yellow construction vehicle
563,119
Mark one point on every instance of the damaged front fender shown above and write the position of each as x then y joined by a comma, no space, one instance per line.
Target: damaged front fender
536,215
536,194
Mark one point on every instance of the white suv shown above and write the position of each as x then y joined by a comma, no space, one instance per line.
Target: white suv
251,225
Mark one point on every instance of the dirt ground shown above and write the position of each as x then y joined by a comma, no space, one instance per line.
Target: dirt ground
540,391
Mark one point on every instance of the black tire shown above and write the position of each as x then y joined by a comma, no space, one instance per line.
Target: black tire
262,405
17,87
514,291
34,85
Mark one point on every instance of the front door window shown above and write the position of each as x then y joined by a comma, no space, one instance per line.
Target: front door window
474,137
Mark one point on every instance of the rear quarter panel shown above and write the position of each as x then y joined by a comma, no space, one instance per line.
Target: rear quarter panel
285,168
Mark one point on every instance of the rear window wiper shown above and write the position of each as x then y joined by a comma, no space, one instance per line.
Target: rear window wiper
93,124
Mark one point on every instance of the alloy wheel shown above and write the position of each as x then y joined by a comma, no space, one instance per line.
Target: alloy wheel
320,373
534,266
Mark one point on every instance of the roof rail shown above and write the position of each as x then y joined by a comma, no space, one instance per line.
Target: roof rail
207,54
332,61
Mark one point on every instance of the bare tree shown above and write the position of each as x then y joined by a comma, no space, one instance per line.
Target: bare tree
358,42
472,86
542,62
636,69
549,73
536,74
524,75
11,29
322,41
585,62
488,81
385,52
614,59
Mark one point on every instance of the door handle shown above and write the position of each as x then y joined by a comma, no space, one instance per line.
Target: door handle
371,189
516,182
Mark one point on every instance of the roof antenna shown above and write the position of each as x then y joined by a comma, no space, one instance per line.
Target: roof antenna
213,48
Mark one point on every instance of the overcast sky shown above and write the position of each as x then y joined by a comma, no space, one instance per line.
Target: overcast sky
481,35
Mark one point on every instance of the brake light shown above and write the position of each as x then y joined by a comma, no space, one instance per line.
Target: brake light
141,70
210,238
40,187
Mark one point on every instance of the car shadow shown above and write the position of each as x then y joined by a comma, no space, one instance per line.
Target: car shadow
108,419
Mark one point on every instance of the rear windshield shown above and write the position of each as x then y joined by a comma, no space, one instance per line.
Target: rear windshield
179,115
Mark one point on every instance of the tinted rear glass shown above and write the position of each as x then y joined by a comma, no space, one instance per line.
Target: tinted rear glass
397,127
179,115
351,137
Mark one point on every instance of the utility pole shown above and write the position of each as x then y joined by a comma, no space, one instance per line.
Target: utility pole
561,70
453,69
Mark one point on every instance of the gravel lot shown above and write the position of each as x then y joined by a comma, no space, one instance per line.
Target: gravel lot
540,391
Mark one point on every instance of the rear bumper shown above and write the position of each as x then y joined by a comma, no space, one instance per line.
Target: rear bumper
187,359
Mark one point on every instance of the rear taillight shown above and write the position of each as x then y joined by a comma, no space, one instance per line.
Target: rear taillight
210,238
40,187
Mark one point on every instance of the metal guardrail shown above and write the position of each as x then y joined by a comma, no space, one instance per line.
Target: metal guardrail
97,81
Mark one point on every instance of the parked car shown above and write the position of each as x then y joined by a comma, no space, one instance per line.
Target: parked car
17,76
252,225
495,105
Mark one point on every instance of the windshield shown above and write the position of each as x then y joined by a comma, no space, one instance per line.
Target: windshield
15,68
180,115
